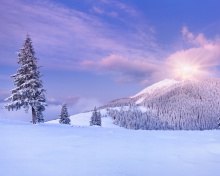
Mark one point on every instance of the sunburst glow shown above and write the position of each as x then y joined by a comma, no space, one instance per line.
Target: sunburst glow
186,71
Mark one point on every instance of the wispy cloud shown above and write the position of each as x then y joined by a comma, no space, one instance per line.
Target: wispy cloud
202,53
123,69
97,10
66,38
74,104
197,40
121,6
63,37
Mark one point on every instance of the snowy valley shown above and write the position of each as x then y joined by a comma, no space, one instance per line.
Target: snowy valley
170,105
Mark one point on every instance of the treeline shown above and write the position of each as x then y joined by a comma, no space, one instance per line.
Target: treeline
133,118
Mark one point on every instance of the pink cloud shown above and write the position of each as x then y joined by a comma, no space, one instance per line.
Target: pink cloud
75,104
126,70
121,6
120,64
198,40
64,35
204,54
98,10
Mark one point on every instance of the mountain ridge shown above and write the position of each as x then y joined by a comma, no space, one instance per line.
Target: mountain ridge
184,105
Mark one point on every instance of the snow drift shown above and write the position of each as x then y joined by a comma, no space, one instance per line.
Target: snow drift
55,150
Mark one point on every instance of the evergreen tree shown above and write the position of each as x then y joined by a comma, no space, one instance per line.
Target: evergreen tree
64,116
29,92
96,118
39,114
219,122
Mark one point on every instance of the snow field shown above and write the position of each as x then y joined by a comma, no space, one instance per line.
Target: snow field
54,149
83,119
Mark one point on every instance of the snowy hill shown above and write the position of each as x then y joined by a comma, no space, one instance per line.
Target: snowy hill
157,87
188,105
83,119
161,86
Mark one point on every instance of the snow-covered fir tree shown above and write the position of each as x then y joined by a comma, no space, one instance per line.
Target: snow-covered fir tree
29,91
64,116
39,114
219,122
96,118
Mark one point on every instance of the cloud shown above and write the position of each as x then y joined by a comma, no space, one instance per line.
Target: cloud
98,10
202,53
121,6
128,70
198,40
74,104
108,37
61,100
52,112
63,36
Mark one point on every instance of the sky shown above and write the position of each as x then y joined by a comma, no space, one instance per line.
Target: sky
94,51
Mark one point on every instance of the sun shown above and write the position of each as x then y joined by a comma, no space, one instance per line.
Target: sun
186,71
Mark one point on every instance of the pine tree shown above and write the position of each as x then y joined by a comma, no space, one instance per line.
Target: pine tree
39,114
96,118
29,90
64,116
219,122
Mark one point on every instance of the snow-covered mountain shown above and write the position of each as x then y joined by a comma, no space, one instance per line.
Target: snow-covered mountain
170,104
140,97
157,86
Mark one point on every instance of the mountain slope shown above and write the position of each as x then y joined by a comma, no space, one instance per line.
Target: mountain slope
161,86
157,87
188,105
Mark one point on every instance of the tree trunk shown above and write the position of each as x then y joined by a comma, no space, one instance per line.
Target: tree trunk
33,116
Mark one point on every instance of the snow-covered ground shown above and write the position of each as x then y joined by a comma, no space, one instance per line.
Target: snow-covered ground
52,150
166,83
83,119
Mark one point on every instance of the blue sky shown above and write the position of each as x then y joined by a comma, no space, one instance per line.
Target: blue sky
95,51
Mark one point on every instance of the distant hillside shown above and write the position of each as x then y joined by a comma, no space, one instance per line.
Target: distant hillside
188,105
142,95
